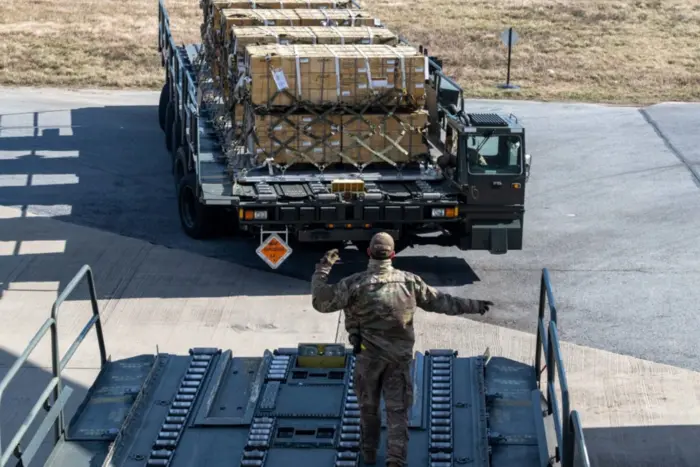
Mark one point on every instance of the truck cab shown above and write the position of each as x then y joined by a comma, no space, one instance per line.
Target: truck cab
484,154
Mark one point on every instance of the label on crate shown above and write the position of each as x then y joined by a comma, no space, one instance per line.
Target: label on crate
280,79
380,83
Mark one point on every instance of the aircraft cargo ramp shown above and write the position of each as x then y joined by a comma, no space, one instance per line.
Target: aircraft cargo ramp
297,406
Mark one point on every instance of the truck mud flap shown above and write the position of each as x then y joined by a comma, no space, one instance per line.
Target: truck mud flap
496,237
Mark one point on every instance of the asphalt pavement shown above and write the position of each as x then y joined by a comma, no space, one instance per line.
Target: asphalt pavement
611,210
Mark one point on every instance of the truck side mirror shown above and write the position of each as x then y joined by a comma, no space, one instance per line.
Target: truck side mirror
528,159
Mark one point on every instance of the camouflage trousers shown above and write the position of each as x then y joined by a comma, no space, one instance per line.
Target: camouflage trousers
375,377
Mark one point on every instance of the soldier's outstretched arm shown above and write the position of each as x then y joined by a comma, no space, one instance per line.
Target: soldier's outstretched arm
431,299
327,298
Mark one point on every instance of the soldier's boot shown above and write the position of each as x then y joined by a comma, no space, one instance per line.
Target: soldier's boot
370,457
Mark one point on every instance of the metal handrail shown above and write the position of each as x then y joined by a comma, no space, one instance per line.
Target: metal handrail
579,456
567,424
55,414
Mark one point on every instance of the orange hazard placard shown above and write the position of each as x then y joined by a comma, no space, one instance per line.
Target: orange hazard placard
274,251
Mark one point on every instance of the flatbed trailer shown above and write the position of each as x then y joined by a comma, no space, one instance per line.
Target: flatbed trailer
297,406
473,208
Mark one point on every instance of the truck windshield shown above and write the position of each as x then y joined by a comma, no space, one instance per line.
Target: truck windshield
495,154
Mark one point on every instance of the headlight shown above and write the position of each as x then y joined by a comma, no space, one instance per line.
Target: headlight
444,212
260,215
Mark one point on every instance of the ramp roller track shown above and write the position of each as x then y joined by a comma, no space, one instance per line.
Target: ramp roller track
349,443
181,407
440,410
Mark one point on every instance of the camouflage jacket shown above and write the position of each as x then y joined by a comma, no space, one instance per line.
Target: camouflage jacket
379,304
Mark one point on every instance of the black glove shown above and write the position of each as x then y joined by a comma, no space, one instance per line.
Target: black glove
356,342
484,306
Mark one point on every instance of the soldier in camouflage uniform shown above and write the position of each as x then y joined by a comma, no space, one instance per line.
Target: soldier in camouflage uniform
379,304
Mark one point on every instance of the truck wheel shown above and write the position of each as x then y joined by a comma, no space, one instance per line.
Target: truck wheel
177,139
163,105
196,218
169,120
179,167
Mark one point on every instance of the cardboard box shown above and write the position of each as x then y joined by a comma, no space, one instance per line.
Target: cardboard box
299,35
212,9
355,75
230,18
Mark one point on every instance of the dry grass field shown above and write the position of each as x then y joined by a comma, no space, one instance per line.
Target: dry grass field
621,51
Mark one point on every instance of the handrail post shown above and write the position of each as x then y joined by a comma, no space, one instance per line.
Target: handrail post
59,425
550,370
56,362
540,338
578,443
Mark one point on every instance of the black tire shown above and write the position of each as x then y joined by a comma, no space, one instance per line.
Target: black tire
180,167
169,120
163,105
197,219
177,139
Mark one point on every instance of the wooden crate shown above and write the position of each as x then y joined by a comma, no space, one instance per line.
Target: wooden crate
332,74
336,17
230,18
243,17
212,9
286,35
398,137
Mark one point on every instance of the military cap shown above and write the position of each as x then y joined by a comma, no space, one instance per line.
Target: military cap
381,245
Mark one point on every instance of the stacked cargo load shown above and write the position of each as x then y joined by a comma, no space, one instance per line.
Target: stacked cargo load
221,40
320,86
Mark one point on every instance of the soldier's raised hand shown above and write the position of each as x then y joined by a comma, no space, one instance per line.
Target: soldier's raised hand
484,306
331,257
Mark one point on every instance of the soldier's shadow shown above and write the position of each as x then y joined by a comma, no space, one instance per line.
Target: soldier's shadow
435,270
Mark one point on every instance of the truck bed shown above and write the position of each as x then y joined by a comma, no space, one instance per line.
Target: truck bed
218,187
213,409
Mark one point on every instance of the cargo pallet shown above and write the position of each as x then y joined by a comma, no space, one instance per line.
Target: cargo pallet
469,207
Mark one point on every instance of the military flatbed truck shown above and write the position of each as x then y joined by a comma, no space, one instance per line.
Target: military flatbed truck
297,406
469,205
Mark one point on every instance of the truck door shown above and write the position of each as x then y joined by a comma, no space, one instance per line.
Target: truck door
495,168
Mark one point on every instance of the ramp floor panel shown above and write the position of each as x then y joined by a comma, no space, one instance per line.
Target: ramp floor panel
211,409
99,418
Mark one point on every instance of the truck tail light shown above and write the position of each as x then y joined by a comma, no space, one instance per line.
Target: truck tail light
249,215
445,212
